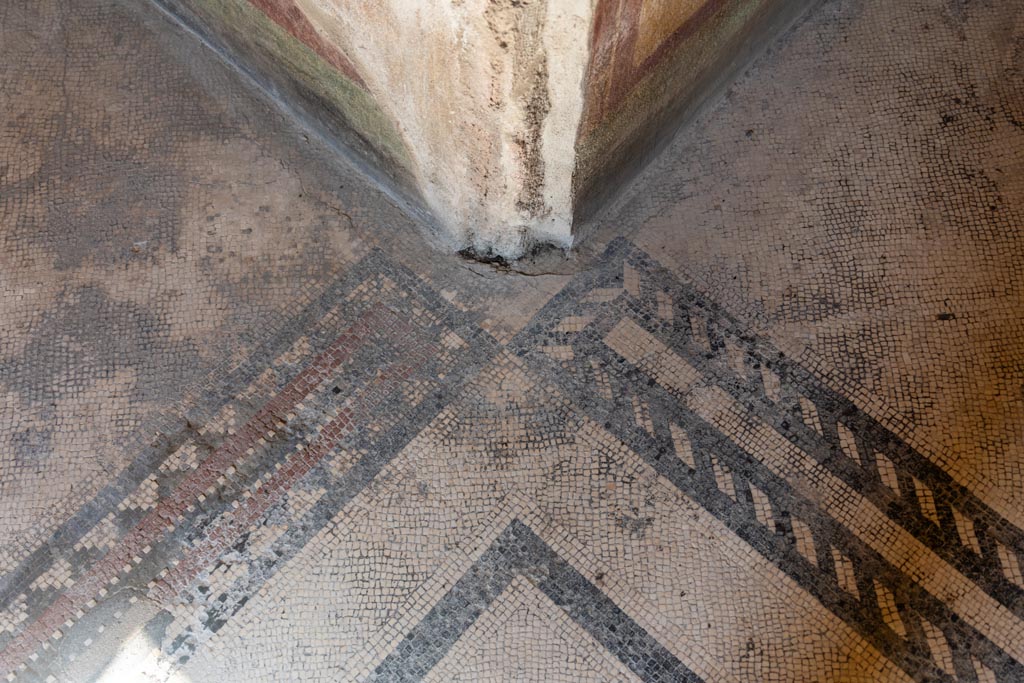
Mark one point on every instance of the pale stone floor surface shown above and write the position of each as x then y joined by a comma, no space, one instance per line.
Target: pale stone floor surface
766,424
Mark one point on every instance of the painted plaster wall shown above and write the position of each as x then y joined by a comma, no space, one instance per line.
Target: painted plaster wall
653,64
487,95
471,106
510,121
275,42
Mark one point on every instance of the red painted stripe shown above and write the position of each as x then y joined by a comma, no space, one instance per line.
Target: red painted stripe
612,75
289,16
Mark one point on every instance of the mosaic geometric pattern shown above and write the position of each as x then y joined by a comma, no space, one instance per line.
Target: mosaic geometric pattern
241,443
320,414
865,214
647,382
885,539
519,551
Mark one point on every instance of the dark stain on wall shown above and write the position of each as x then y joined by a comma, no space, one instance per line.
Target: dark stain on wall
531,196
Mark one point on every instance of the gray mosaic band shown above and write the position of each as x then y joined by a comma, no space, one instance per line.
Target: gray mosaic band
379,450
723,477
211,397
337,306
518,551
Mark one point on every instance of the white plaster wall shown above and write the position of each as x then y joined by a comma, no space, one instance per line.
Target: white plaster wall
567,43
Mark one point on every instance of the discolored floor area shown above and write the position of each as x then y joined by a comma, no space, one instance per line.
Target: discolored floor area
765,424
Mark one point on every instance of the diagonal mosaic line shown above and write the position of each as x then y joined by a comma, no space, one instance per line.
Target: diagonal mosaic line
724,417
408,346
231,525
520,552
907,486
164,517
376,450
825,496
589,334
179,429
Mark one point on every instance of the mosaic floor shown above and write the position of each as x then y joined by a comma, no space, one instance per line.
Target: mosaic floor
766,424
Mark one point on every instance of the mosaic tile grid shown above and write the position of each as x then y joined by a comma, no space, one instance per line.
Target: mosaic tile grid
125,283
519,551
522,613
324,461
324,391
798,471
865,214
672,379
160,222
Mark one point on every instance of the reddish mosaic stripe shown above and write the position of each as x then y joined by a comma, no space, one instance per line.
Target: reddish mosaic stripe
231,526
164,516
